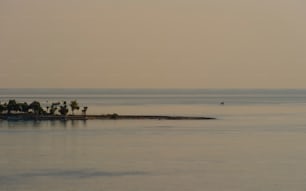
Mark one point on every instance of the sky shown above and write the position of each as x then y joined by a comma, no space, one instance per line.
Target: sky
152,44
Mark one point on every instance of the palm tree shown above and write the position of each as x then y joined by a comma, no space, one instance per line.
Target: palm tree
53,108
84,110
74,106
63,109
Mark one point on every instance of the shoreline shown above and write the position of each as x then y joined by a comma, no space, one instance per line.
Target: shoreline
32,117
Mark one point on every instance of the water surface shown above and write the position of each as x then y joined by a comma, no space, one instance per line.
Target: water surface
257,143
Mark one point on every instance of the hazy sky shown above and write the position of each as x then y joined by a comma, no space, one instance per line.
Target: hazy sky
153,43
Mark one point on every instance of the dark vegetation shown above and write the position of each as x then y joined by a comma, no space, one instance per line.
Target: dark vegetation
13,110
35,110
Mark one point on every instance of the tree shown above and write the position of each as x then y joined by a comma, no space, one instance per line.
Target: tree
12,106
2,108
35,106
53,108
74,106
84,110
23,107
63,109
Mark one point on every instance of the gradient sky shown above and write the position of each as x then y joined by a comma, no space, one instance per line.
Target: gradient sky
153,44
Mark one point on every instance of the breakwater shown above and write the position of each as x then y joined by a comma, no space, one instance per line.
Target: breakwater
17,117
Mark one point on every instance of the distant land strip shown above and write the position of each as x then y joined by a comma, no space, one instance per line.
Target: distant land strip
20,117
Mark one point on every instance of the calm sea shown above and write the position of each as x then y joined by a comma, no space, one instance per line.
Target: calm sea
257,143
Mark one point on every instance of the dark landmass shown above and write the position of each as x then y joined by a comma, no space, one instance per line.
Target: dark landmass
18,111
25,117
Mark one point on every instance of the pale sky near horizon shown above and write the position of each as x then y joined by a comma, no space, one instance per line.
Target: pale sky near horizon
153,44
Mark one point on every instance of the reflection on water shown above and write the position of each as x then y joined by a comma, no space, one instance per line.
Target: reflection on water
60,173
39,124
244,154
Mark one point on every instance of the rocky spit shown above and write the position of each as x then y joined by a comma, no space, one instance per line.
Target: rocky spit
24,117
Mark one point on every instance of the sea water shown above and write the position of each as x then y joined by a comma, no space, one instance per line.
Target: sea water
258,142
